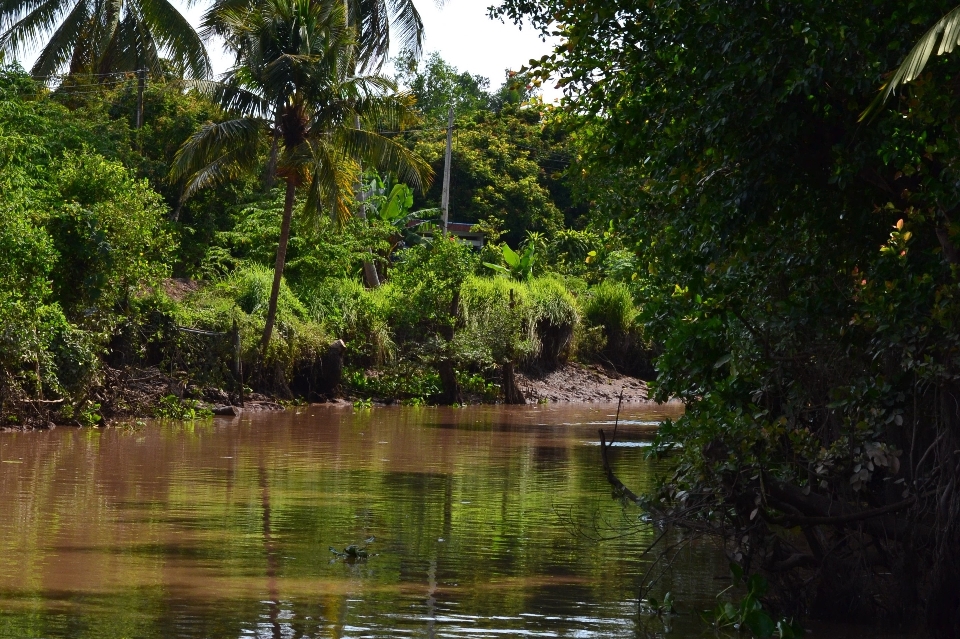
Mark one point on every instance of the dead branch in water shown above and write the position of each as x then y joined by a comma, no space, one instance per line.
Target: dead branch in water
618,486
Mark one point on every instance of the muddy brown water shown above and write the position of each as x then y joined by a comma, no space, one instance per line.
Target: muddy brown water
476,522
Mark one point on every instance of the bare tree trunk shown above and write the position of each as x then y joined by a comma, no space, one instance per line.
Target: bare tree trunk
448,375
370,276
511,392
278,269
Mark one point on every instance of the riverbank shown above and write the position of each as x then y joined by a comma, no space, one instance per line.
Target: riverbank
578,383
130,394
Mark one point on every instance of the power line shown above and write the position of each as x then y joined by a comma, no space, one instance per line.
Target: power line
105,85
82,75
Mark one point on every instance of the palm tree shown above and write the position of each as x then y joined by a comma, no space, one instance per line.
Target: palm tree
375,22
291,83
102,36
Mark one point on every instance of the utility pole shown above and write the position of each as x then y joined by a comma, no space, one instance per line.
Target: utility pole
141,81
370,276
445,198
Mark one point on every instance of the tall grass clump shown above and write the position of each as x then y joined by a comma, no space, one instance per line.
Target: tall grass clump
554,316
357,315
243,296
610,331
495,313
508,320
610,305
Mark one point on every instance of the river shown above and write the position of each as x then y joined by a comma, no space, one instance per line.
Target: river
476,522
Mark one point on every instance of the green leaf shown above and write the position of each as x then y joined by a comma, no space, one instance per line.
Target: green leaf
510,257
497,268
760,624
757,585
736,571
729,612
720,362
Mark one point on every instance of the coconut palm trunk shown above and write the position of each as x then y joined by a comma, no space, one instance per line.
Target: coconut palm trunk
292,81
278,268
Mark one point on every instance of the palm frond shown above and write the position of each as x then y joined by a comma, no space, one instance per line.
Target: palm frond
58,51
946,31
393,112
24,23
102,35
382,22
232,98
22,28
175,36
12,11
332,178
212,25
385,154
409,24
226,167
371,19
218,151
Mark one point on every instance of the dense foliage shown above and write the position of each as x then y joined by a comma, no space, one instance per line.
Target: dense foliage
509,159
799,270
793,265
94,233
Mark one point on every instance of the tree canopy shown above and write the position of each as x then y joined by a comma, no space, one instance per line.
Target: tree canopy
797,267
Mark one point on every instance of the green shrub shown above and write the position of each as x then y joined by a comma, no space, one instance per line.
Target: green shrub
478,384
569,249
172,407
403,380
358,316
423,284
319,249
38,348
610,305
110,232
243,297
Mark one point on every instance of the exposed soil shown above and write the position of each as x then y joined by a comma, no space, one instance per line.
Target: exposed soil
136,392
178,289
133,393
581,383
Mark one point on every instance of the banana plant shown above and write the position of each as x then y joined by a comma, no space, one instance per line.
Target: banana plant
392,204
518,266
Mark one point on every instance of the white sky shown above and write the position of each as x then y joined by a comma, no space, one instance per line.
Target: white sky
466,38
460,31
